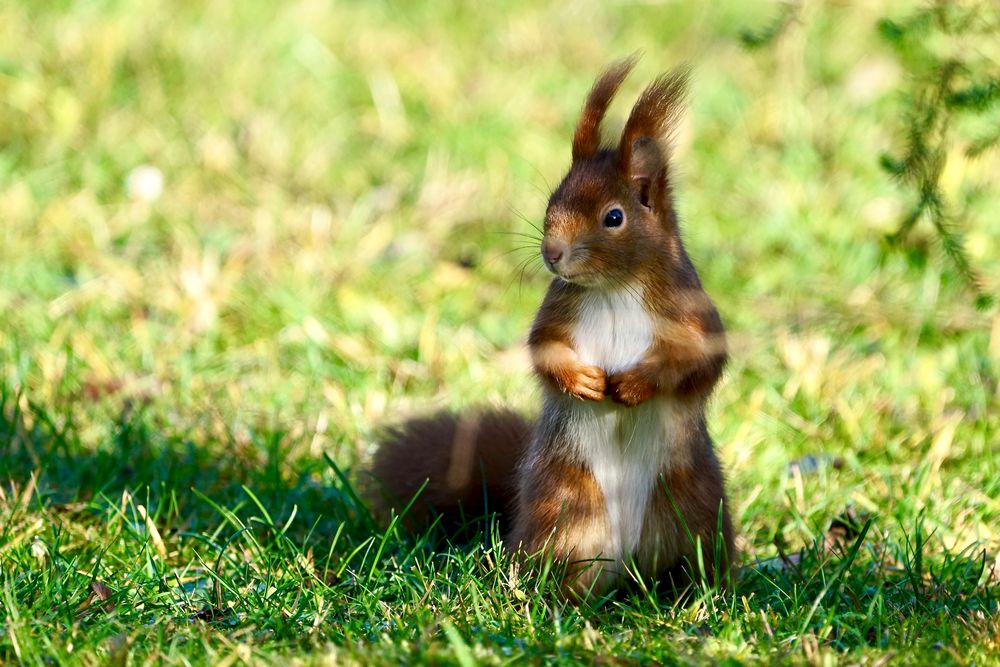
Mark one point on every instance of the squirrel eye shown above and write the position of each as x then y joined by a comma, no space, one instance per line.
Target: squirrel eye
614,218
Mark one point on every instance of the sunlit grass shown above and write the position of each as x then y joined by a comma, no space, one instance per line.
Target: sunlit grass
331,252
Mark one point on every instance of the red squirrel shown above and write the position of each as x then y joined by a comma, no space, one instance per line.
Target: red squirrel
619,469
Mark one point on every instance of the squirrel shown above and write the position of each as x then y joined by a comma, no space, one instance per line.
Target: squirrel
619,470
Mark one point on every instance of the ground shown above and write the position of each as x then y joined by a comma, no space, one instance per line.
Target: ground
239,238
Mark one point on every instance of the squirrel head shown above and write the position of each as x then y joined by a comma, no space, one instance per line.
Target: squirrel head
612,215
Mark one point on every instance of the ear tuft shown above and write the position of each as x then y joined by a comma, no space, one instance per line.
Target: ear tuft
652,120
587,138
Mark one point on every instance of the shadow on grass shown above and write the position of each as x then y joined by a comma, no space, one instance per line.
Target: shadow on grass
179,477
147,530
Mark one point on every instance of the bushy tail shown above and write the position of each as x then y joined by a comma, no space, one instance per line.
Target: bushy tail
465,464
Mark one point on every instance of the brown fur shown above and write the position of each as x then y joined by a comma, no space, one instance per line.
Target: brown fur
640,151
465,465
587,138
558,506
554,360
686,512
561,513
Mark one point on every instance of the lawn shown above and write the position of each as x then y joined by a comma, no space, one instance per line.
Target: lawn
237,239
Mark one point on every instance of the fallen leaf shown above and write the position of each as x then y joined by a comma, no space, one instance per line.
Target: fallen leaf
99,593
842,530
103,594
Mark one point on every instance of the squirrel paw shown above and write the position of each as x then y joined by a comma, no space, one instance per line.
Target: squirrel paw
630,388
586,383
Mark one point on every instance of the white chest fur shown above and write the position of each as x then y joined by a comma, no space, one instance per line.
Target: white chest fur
613,329
625,448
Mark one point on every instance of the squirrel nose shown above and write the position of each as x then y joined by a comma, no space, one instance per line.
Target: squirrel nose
553,251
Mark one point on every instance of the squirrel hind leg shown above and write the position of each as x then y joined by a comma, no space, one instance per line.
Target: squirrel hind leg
465,465
691,506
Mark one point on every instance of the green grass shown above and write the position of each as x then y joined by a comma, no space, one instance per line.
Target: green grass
331,253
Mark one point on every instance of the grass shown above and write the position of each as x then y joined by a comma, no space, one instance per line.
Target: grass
189,383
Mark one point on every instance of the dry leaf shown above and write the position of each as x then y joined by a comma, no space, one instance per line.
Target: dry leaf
100,593
842,530
154,534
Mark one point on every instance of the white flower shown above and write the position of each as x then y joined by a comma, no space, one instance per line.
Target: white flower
39,550
144,183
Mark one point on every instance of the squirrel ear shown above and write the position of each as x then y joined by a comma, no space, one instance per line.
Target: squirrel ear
642,155
647,170
587,138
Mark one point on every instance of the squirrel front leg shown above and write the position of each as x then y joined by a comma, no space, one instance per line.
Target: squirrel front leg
552,353
558,364
685,360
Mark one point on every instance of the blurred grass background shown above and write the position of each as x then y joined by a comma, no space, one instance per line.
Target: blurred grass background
292,219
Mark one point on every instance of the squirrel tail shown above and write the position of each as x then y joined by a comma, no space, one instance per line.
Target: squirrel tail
463,467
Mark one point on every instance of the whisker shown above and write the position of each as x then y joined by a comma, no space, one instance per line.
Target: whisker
533,268
522,266
520,215
521,234
513,251
624,285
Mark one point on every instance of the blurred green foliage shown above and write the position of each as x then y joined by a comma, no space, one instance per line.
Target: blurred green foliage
948,52
951,52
